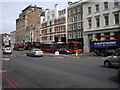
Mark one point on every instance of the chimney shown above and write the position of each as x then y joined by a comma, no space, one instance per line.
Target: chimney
56,6
69,3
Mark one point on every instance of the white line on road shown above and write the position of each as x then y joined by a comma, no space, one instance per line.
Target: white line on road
3,70
6,59
58,57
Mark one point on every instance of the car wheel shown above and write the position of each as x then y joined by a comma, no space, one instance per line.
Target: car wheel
107,64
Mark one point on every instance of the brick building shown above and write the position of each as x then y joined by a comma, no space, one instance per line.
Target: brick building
28,20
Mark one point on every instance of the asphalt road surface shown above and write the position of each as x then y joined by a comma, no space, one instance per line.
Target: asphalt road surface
50,71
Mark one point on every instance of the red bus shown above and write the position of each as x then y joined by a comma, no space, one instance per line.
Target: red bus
75,46
19,46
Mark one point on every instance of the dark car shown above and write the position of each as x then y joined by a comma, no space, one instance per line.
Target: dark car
64,51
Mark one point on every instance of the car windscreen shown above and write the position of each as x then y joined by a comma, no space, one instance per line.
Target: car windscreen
36,50
7,48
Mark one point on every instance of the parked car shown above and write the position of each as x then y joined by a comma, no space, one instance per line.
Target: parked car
7,50
35,52
64,51
113,60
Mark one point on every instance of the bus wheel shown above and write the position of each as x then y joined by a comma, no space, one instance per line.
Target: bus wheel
103,53
96,53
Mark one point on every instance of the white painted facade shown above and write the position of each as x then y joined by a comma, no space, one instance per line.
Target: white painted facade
111,26
49,20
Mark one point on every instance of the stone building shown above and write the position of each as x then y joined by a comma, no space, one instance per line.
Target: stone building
74,14
12,38
101,21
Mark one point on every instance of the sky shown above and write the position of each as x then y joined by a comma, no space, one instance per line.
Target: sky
10,10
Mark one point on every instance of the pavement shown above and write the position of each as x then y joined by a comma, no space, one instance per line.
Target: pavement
81,55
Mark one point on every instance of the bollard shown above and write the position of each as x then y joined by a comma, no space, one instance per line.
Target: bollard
76,54
56,53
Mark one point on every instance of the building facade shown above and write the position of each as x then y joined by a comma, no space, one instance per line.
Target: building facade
27,21
54,25
101,21
12,38
6,40
74,14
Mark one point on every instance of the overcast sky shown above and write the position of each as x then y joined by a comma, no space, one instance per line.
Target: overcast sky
11,10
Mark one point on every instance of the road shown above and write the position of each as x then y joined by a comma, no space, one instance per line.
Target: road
50,71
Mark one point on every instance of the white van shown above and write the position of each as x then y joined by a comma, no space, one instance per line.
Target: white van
7,50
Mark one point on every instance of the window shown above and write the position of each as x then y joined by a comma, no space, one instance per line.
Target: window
97,7
97,21
62,19
74,27
89,10
90,23
79,17
74,10
106,20
106,5
50,37
117,53
64,11
70,35
116,18
79,25
116,4
79,34
74,19
78,9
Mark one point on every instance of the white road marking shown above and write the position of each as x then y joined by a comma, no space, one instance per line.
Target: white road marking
6,55
6,59
58,57
3,70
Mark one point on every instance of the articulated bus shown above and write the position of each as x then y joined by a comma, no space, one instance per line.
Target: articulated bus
19,46
75,46
72,46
